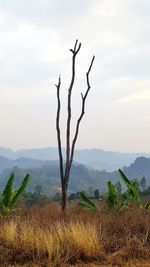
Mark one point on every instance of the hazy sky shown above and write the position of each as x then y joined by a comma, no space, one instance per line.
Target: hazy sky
35,38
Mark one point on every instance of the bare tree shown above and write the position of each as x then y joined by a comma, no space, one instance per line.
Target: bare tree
65,167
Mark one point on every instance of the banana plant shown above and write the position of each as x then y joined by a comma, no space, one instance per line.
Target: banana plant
132,194
132,191
115,201
85,202
112,196
9,196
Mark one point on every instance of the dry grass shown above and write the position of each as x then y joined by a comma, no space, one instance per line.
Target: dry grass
46,237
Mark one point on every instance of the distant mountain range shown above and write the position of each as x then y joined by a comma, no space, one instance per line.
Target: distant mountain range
6,163
48,176
94,158
42,164
81,178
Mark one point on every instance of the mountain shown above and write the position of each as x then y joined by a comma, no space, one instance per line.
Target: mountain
6,163
138,169
94,158
81,177
47,153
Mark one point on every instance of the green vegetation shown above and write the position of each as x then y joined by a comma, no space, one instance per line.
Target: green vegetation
86,202
30,199
113,201
143,183
116,200
9,196
132,192
96,194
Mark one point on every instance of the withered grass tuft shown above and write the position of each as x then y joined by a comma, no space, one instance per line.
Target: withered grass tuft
44,236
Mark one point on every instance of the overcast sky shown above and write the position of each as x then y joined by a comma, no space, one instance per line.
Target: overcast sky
35,38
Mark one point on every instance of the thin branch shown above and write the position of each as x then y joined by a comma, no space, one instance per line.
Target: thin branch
83,97
74,54
58,129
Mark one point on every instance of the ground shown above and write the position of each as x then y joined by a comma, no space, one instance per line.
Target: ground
47,237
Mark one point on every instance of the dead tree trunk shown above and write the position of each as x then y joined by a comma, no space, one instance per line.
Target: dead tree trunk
65,167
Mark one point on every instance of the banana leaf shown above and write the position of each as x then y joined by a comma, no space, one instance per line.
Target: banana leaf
136,196
147,206
21,189
7,193
112,195
132,191
86,202
124,178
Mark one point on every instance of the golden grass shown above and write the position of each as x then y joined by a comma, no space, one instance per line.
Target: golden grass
46,237
60,243
85,238
9,231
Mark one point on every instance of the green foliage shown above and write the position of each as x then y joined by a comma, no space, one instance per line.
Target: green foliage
112,198
90,192
9,196
72,196
137,184
127,197
31,199
38,189
57,196
21,189
85,202
115,200
147,206
143,183
118,188
124,178
131,193
96,194
7,193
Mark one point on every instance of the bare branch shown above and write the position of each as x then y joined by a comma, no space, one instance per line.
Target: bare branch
76,42
76,49
82,113
74,52
82,96
58,129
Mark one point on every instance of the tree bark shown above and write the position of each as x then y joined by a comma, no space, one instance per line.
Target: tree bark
64,196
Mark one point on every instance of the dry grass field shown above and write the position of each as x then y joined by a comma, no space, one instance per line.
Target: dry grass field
46,237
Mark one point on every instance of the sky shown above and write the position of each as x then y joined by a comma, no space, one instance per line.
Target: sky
35,38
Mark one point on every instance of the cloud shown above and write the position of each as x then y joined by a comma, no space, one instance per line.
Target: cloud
35,37
44,13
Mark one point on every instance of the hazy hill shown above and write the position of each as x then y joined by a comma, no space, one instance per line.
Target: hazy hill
48,176
94,158
138,169
6,163
81,178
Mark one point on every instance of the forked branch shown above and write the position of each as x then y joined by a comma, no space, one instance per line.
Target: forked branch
74,52
83,97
